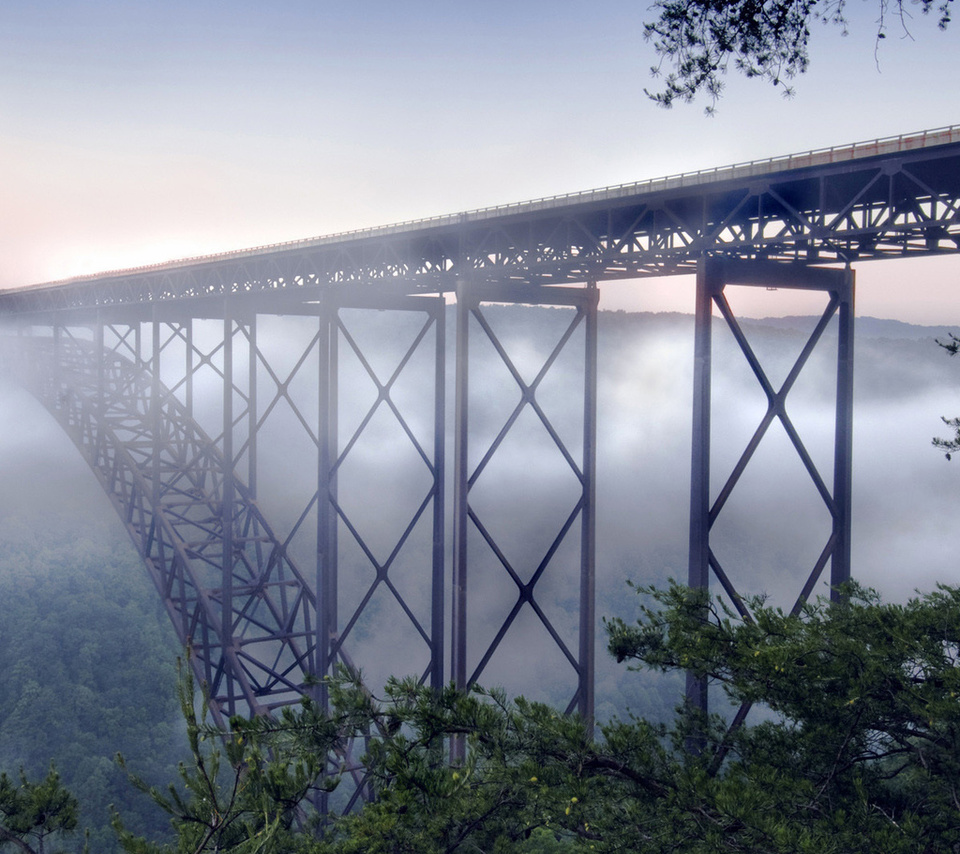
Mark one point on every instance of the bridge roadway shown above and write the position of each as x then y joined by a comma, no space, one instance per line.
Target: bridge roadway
879,199
115,357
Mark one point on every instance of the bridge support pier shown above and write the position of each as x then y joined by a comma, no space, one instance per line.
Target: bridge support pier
713,275
472,652
337,342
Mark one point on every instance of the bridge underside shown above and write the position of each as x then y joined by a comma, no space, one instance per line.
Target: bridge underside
345,438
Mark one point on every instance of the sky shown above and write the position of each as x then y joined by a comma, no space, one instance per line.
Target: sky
139,132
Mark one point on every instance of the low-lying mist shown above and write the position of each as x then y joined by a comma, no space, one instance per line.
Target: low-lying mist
767,538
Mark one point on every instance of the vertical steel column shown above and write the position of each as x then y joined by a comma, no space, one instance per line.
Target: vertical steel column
58,363
321,652
227,500
437,676
252,407
843,444
188,359
333,452
588,519
100,355
326,518
698,577
156,426
458,627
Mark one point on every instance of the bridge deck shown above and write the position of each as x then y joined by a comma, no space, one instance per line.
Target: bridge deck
885,197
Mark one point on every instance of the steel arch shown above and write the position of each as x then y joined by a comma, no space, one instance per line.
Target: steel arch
259,633
171,503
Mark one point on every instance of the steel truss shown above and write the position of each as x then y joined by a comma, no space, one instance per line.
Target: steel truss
259,623
713,275
256,622
165,478
889,198
468,665
125,361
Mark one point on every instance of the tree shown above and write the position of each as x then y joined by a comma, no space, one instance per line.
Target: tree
244,788
87,656
859,748
499,798
257,801
35,815
855,747
950,446
762,38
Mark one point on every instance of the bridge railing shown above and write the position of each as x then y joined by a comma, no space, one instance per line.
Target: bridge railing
816,157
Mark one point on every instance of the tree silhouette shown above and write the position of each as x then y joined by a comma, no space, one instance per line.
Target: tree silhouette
700,39
950,446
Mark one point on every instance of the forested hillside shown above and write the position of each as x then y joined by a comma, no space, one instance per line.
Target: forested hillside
88,663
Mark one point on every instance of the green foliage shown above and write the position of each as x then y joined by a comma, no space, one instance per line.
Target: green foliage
859,748
244,790
87,656
496,798
34,816
763,38
254,794
856,748
950,446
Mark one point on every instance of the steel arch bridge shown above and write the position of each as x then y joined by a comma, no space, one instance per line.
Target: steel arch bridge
126,359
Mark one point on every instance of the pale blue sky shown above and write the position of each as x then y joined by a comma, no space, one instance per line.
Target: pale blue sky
136,132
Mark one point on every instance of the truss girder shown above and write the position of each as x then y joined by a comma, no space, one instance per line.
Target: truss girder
713,275
165,478
257,624
470,664
905,202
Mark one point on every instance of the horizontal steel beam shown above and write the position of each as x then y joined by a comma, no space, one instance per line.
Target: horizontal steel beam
887,199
